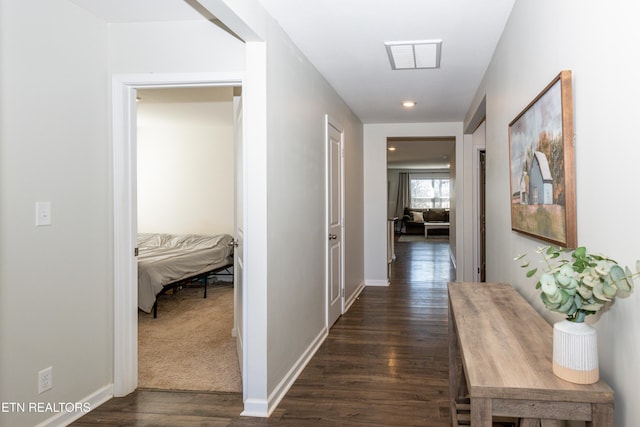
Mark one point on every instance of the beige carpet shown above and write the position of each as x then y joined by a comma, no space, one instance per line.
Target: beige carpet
189,346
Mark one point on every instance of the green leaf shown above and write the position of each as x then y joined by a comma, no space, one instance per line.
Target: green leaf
599,293
585,292
531,272
547,303
609,290
580,252
556,298
578,301
519,257
592,307
628,280
566,306
618,276
525,265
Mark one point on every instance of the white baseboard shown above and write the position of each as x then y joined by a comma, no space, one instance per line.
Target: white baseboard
91,402
370,282
256,408
453,257
354,296
264,407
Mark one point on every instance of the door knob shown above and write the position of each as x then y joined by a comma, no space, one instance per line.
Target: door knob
233,243
332,237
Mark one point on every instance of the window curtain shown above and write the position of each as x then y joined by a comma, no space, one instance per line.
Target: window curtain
404,195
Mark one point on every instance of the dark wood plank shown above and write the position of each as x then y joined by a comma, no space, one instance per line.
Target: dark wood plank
385,363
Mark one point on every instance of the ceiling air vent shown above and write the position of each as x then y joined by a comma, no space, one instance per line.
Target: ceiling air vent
411,55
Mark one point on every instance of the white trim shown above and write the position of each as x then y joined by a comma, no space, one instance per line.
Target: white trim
93,400
370,282
453,258
354,296
124,87
259,408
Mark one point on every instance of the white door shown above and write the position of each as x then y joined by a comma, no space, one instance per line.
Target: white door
335,292
238,259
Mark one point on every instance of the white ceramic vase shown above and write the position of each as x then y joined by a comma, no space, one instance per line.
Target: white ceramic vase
575,352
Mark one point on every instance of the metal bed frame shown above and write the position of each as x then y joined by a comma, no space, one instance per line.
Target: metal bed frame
201,278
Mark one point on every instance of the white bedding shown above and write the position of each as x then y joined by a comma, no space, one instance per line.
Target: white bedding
167,258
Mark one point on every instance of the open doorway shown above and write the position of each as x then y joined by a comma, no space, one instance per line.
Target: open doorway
125,217
479,203
419,186
185,224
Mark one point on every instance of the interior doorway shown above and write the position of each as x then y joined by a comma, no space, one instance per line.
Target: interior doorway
125,217
184,157
482,246
425,163
479,204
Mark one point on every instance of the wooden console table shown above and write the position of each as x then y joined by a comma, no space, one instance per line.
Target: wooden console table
500,352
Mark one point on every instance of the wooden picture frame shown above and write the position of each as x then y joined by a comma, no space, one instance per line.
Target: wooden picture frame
542,166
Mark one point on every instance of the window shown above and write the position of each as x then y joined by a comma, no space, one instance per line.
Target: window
429,192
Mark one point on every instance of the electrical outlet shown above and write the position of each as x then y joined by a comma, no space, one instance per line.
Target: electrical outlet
45,380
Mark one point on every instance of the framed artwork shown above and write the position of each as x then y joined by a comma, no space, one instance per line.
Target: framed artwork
541,157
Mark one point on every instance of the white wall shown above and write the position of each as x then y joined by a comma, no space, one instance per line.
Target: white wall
56,294
185,163
375,189
173,47
597,42
285,192
55,281
298,100
51,313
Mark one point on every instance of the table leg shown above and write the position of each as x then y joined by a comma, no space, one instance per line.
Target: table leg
481,412
601,415
454,374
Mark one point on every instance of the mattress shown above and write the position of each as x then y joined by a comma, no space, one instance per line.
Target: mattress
168,258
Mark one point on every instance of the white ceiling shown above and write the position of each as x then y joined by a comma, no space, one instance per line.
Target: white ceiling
344,39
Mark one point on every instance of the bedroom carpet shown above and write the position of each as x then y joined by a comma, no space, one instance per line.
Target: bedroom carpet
189,346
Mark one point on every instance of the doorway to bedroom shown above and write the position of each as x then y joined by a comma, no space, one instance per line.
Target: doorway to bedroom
185,158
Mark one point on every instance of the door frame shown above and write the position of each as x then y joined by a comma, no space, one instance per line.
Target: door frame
125,294
478,250
329,122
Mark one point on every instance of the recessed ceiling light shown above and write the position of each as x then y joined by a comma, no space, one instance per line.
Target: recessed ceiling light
409,104
410,55
392,148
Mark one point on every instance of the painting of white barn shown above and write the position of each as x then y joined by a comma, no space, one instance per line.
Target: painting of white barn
541,159
540,181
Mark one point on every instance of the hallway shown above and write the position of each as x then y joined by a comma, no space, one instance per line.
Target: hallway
385,363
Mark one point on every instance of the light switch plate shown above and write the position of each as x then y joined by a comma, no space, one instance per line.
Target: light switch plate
43,213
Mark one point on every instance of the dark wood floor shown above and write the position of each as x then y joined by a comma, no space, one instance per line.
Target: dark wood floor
385,363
